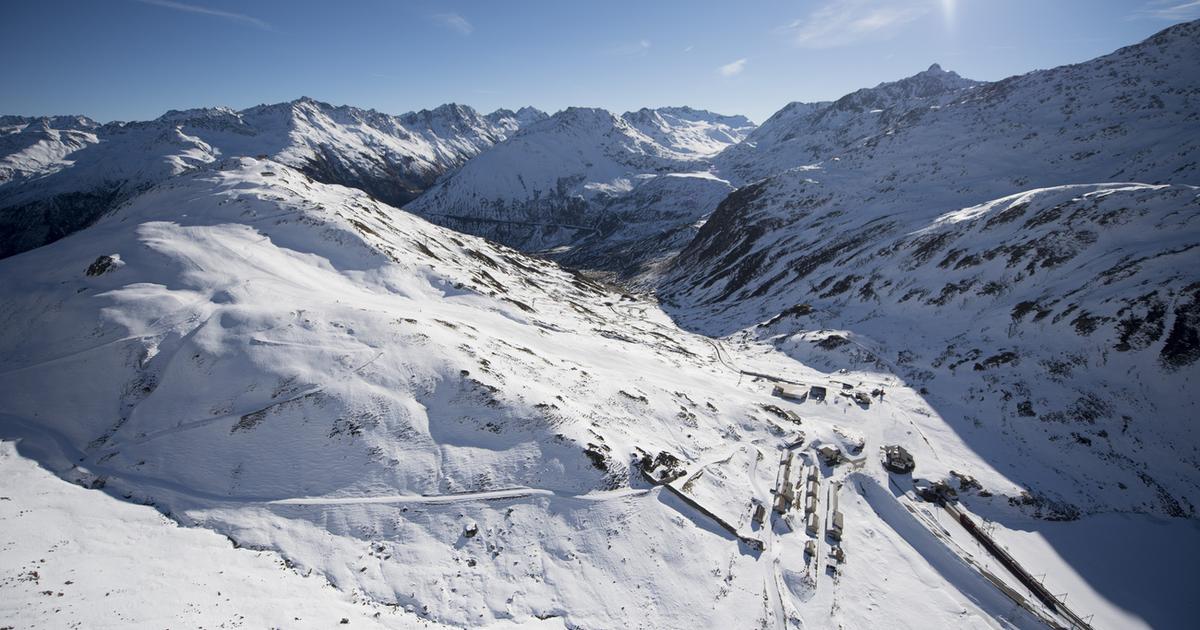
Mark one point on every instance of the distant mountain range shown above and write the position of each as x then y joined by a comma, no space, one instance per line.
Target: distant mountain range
59,174
586,183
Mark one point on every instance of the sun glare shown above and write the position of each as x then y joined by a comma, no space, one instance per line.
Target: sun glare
948,7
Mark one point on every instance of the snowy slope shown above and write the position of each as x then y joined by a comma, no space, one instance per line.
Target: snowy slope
686,130
804,133
32,146
71,557
1057,327
585,183
297,366
56,179
1127,116
1051,320
445,426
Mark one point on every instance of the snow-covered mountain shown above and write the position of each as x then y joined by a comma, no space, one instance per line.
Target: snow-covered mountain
999,277
804,133
690,131
1115,118
33,146
973,246
452,433
587,184
259,348
1061,321
510,122
428,420
59,174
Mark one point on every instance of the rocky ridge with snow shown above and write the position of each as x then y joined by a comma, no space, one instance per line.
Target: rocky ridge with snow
804,133
972,244
588,186
60,174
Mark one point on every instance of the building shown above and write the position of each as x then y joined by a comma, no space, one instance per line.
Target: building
812,524
830,454
784,495
835,525
935,491
897,459
817,393
783,498
789,392
760,514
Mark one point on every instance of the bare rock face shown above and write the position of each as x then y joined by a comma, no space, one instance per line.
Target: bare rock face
103,265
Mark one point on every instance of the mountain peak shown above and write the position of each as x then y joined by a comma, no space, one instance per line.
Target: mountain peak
446,112
70,121
513,121
179,116
929,83
587,116
310,103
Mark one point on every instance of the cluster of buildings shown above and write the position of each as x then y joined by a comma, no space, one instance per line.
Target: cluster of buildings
799,489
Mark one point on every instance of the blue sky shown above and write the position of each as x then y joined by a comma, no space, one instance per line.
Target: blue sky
135,59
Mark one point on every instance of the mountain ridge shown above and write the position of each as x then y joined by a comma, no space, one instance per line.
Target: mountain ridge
58,185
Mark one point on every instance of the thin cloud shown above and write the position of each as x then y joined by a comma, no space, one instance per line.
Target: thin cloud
1173,10
201,10
455,22
629,49
844,22
732,68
